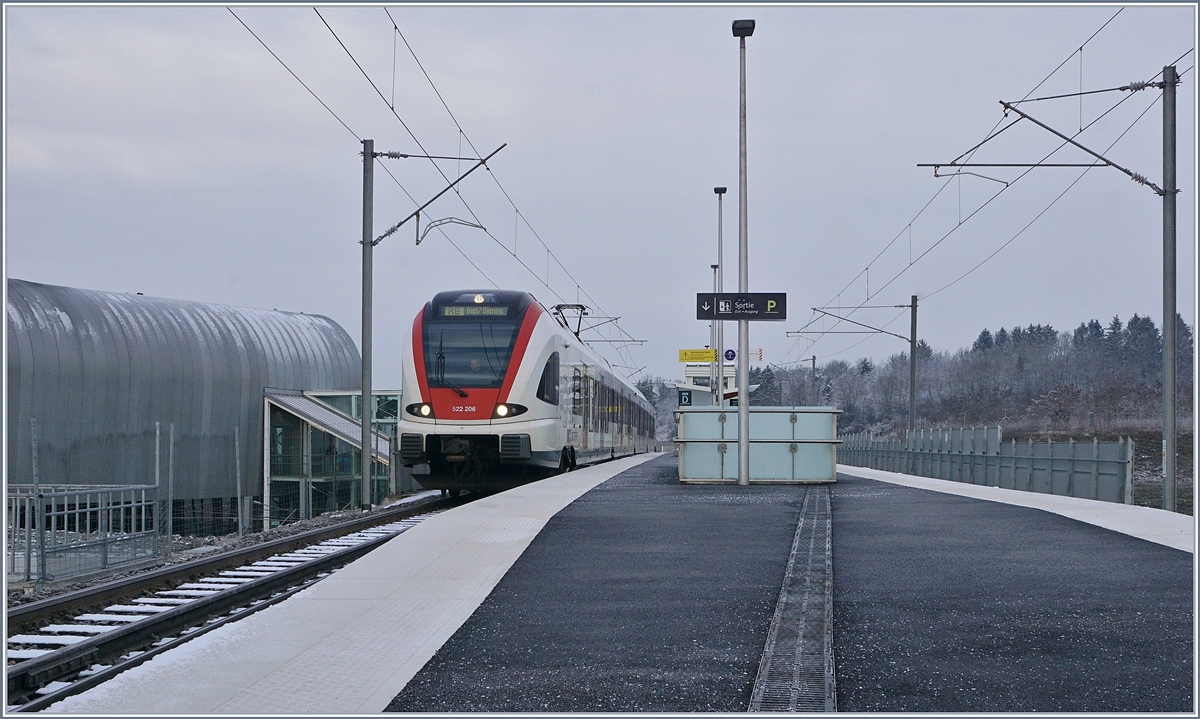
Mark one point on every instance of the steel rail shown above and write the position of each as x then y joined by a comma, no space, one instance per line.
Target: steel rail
25,678
81,685
26,614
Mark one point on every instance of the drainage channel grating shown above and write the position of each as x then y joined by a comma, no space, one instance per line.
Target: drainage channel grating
796,671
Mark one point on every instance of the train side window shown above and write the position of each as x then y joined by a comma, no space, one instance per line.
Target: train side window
547,390
577,393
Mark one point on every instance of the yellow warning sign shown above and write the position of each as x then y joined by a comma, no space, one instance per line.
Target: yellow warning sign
697,355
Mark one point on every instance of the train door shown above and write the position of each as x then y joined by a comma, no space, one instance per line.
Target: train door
625,435
597,397
618,420
581,391
566,408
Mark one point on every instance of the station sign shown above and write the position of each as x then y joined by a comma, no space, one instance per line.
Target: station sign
697,355
741,306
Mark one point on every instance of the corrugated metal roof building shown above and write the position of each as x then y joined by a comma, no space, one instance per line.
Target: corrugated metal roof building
97,370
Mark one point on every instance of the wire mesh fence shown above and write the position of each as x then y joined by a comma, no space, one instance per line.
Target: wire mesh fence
215,516
293,499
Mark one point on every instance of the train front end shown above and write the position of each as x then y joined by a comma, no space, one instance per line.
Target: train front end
474,357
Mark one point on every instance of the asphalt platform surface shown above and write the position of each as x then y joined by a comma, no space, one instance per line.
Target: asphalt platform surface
950,604
643,595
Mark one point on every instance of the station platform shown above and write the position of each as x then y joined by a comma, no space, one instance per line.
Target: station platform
957,598
615,588
1154,525
351,642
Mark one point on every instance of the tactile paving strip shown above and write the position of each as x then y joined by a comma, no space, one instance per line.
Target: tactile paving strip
796,671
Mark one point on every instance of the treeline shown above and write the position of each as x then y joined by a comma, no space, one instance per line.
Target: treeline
661,393
1095,377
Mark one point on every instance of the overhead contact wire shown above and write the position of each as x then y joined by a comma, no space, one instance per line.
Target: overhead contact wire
285,67
471,144
503,190
1047,208
352,132
418,143
987,202
991,134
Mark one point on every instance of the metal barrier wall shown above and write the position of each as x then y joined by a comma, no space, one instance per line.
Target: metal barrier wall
56,532
788,445
1089,470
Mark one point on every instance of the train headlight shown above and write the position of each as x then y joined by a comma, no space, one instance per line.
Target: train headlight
422,409
504,410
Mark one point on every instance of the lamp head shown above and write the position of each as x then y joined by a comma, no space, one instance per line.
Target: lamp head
719,190
743,28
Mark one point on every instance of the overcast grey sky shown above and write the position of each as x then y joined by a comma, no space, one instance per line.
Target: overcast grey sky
163,150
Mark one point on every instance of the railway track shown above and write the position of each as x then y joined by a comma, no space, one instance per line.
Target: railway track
65,645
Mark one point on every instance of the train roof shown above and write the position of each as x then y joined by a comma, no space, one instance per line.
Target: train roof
481,297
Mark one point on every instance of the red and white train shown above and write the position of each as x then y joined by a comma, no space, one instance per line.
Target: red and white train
498,391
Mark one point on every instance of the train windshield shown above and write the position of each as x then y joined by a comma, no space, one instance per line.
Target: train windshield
468,352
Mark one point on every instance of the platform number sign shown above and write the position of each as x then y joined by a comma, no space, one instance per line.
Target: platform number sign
685,398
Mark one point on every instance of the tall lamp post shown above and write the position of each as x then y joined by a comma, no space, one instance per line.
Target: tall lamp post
743,29
720,288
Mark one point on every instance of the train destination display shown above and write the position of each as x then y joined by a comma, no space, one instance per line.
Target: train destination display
474,311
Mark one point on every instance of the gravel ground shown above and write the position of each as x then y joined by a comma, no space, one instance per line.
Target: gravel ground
949,604
643,595
1147,492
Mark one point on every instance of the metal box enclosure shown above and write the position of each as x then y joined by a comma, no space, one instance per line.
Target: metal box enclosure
788,445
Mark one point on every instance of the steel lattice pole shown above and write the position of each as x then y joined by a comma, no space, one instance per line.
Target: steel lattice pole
367,453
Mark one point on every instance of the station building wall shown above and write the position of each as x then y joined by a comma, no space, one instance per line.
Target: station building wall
98,369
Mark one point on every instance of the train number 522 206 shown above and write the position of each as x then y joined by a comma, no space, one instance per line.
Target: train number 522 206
463,408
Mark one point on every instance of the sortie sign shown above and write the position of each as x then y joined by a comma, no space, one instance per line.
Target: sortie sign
741,306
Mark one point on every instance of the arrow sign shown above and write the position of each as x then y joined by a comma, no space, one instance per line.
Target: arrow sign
741,306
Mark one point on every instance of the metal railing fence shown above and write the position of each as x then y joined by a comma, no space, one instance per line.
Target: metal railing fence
979,455
60,532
